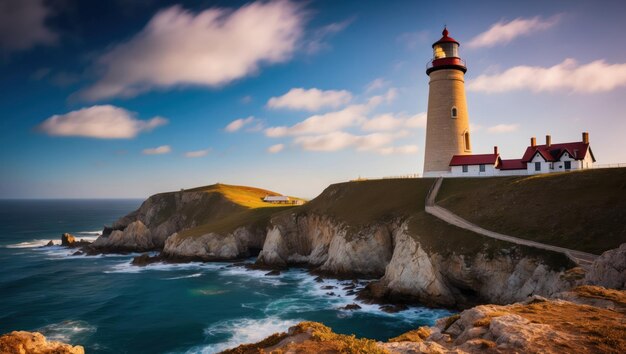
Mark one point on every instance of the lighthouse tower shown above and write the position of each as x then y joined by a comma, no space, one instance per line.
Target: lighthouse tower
447,127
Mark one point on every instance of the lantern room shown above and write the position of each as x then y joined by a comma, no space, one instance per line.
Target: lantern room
446,55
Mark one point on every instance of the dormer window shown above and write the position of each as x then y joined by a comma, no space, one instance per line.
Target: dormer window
454,112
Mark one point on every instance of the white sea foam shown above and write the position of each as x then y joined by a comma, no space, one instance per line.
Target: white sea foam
128,267
82,235
96,233
194,275
240,331
68,331
32,244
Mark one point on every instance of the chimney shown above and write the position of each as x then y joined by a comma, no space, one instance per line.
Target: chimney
548,140
533,141
495,150
586,137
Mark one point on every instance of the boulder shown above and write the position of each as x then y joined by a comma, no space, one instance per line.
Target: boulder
67,240
34,342
49,244
351,307
609,270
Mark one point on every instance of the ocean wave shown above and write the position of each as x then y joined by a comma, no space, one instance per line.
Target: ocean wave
194,275
83,235
96,233
240,331
68,331
32,243
128,267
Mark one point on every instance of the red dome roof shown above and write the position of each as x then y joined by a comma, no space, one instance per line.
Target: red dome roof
445,38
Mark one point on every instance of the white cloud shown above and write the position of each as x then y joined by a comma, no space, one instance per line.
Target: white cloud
102,122
475,127
340,140
412,40
390,121
310,99
377,84
197,153
238,124
209,48
375,142
504,32
399,150
503,128
317,41
275,148
597,76
164,149
22,25
323,123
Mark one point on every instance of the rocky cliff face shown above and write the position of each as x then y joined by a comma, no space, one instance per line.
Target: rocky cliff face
609,270
243,242
322,242
34,342
410,272
159,217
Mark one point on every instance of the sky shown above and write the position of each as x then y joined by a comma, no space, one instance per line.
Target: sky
124,99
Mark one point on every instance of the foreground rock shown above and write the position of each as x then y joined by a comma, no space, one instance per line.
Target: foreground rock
537,325
309,337
19,342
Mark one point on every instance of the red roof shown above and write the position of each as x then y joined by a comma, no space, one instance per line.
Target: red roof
445,38
486,159
515,164
578,150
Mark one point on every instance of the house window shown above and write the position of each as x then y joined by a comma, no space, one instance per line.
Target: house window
464,168
466,141
537,166
453,112
482,168
568,165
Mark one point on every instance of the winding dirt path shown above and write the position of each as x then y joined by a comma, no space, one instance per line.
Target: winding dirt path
583,259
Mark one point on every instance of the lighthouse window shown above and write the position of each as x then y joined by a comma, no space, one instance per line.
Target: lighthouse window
454,112
466,140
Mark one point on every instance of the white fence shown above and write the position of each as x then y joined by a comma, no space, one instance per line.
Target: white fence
610,165
416,175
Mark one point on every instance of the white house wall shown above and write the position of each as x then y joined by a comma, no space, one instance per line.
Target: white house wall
474,171
545,166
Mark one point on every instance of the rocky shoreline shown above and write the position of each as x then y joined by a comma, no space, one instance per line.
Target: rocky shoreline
590,320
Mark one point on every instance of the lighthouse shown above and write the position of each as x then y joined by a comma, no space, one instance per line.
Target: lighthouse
447,124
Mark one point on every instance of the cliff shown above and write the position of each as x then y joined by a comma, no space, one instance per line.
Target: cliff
35,343
207,223
379,229
592,320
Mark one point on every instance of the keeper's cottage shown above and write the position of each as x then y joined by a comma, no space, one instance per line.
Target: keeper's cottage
448,145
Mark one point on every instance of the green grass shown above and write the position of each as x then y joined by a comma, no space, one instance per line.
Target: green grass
224,208
583,210
360,203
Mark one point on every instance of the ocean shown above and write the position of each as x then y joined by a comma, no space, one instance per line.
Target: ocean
109,306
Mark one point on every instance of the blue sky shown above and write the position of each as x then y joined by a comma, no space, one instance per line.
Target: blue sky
117,99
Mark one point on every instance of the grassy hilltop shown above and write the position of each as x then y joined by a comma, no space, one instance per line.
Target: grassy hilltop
584,210
229,207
